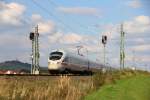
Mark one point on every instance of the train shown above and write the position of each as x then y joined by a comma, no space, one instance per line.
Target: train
61,61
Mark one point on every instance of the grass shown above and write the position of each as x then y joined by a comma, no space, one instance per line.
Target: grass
131,88
102,85
44,88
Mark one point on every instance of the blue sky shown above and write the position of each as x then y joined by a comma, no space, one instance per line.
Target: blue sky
68,23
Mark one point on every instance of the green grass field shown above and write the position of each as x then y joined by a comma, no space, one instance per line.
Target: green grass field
133,88
115,85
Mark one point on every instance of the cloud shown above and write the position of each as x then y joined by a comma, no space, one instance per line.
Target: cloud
138,58
15,41
143,19
70,38
80,10
14,36
134,3
139,40
15,47
110,30
145,47
139,25
55,38
11,13
136,39
45,26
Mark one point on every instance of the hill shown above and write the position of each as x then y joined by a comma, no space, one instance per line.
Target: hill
14,65
18,65
134,88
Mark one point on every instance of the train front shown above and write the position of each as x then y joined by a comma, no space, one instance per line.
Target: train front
55,61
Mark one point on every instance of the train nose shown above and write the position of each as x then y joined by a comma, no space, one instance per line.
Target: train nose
53,65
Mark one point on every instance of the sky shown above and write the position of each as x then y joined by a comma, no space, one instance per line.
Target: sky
66,24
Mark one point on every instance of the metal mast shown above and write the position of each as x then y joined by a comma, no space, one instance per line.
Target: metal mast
104,41
133,60
122,53
34,36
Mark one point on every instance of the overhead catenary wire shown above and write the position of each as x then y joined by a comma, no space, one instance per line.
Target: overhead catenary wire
20,18
79,24
51,14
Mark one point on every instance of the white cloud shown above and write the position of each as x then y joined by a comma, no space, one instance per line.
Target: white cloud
7,40
55,38
11,14
62,38
134,3
71,38
143,19
45,26
138,58
139,40
145,47
112,31
15,47
36,17
80,10
139,25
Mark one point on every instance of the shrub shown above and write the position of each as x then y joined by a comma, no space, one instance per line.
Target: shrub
98,79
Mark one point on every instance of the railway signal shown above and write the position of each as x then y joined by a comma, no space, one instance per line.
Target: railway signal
104,39
34,37
104,42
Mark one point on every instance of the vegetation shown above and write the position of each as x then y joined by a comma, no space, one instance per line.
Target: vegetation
18,65
43,87
74,88
14,65
135,87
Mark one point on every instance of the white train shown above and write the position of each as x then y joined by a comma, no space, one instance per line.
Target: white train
60,61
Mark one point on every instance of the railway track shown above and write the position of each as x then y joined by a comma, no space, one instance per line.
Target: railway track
43,75
46,77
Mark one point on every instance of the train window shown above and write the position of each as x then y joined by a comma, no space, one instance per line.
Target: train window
55,55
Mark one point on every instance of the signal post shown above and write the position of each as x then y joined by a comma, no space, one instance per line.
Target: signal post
104,41
34,37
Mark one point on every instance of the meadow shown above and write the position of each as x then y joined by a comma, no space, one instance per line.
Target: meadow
44,87
58,87
132,88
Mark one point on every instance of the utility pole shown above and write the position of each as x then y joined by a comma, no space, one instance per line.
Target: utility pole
122,53
104,41
88,58
34,37
133,60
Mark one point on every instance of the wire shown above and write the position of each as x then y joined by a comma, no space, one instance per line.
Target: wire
48,12
22,19
79,24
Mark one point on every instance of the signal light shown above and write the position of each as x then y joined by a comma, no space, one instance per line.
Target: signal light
31,36
104,39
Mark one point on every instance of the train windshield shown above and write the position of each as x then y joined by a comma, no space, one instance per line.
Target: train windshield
55,55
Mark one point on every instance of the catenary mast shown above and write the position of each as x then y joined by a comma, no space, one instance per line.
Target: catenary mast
34,37
122,53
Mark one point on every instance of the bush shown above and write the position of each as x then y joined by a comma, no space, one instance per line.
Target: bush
98,79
